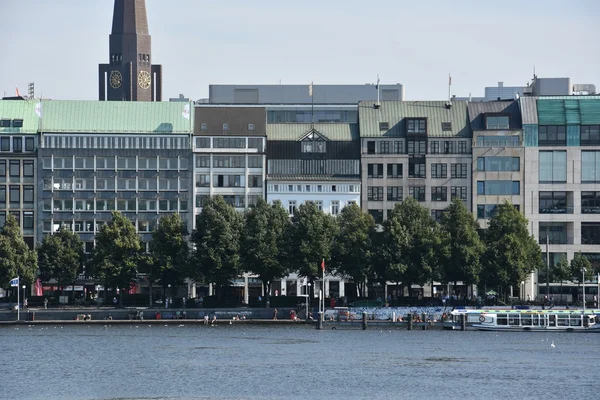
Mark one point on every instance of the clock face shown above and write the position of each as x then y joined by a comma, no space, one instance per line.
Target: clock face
115,79
144,79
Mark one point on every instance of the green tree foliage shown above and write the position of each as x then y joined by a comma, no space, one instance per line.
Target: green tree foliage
60,256
391,251
512,253
16,260
561,272
217,243
117,253
462,247
351,253
169,251
578,263
311,240
263,246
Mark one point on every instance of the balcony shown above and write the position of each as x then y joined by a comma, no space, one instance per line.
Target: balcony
590,209
556,210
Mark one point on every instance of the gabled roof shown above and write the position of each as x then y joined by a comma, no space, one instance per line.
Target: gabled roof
333,131
134,117
395,114
19,109
478,110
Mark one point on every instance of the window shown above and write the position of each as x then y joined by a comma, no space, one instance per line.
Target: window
590,202
417,146
229,143
370,147
553,166
552,135
29,144
459,192
17,123
256,181
416,125
498,164
335,207
28,196
417,192
375,193
398,147
203,126
15,168
5,123
17,144
437,215
203,143
416,167
255,143
446,126
498,141
5,144
497,121
377,215
384,126
2,170
319,188
251,127
498,187
394,193
319,205
439,193
375,170
434,147
590,233
385,147
292,207
2,196
201,200
590,166
229,161
28,222
448,147
439,170
253,199
486,211
313,146
28,168
14,196
554,203
333,188
462,147
255,161
225,126
555,231
394,170
590,135
458,170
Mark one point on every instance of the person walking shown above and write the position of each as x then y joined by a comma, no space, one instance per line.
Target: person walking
46,303
275,315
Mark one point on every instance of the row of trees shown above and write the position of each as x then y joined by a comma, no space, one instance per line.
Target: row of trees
409,248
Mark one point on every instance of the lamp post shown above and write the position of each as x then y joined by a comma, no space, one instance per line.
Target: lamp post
24,298
169,293
583,270
98,295
307,298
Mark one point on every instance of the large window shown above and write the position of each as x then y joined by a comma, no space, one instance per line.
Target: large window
416,125
385,147
590,135
375,170
590,202
496,121
459,192
439,193
498,187
313,146
498,164
590,166
498,141
439,170
459,170
394,170
417,192
229,143
417,167
375,193
15,168
554,203
590,233
555,231
552,135
394,193
553,167
434,147
486,211
417,146
229,161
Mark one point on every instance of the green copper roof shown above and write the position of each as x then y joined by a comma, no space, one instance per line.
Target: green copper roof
395,114
569,111
19,109
117,117
333,131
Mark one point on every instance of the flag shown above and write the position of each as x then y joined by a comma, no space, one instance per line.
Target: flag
449,79
323,265
186,112
38,109
14,282
17,92
38,287
377,86
310,89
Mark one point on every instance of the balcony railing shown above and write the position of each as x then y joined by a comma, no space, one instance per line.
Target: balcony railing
590,209
556,210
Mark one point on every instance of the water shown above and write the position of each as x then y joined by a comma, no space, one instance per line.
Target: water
294,362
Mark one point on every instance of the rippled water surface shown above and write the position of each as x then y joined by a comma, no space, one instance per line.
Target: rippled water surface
153,361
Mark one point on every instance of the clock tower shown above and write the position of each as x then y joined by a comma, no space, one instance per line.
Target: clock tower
130,75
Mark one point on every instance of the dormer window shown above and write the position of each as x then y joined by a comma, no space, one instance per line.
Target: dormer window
251,127
446,126
204,126
225,126
416,125
5,123
497,121
384,126
313,143
17,123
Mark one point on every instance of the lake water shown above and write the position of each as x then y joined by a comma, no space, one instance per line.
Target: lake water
153,361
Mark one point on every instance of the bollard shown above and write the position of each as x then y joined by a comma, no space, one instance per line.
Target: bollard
364,320
320,321
463,322
394,316
410,321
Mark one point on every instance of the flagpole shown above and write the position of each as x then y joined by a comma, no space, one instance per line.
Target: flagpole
18,298
323,269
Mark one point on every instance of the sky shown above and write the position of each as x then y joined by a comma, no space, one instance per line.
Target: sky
58,44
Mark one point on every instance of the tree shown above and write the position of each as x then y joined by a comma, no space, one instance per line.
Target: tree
512,253
462,247
217,243
389,261
61,256
117,253
311,239
263,246
16,260
579,263
169,251
351,253
561,272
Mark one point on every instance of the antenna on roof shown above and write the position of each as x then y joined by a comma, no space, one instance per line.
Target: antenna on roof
449,103
378,104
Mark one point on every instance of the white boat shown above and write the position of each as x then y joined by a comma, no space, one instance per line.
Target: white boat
534,320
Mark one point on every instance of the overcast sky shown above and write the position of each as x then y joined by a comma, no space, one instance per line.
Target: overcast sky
58,44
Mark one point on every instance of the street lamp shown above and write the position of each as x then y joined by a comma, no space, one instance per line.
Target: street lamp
583,270
307,298
167,298
24,299
98,295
